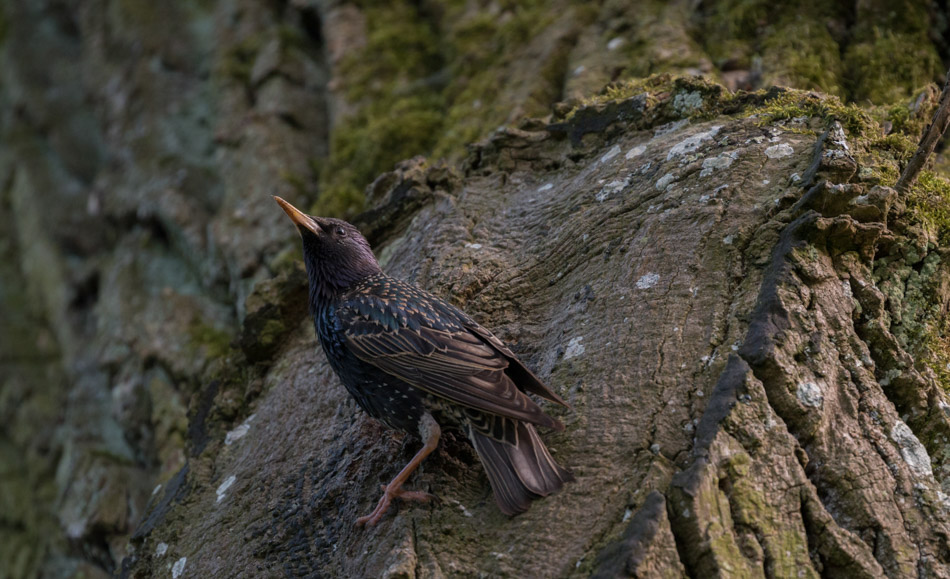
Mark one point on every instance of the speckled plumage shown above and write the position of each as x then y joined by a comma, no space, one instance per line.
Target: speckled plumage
417,363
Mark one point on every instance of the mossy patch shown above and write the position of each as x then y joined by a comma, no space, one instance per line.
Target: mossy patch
730,27
802,53
929,200
688,96
215,342
889,66
428,82
400,108
372,142
791,47
238,61
790,104
481,47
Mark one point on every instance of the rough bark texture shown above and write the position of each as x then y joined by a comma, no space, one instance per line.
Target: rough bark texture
738,309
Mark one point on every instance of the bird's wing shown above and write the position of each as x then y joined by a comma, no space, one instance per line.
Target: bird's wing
443,358
517,370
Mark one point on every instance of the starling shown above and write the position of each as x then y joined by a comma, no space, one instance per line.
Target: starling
419,364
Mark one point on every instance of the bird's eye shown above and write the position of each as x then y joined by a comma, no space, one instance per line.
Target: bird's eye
340,232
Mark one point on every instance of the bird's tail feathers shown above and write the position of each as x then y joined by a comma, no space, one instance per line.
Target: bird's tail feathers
519,473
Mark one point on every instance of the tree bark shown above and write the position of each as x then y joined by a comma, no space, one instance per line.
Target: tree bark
739,406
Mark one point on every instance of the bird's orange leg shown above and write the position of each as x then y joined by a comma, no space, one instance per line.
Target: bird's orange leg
430,433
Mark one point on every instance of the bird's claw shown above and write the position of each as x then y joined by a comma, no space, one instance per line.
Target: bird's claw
383,505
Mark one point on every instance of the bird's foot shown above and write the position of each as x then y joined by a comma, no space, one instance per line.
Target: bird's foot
383,505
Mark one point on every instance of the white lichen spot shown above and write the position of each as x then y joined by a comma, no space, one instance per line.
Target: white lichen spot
545,187
609,189
574,348
238,433
647,281
686,103
914,453
722,161
615,43
693,143
76,529
223,487
833,154
729,239
635,152
161,549
670,127
613,152
179,567
664,181
809,394
838,138
889,376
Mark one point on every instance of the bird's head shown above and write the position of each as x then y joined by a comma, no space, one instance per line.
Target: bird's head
336,254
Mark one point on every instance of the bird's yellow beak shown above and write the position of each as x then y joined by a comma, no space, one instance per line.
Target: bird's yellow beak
300,218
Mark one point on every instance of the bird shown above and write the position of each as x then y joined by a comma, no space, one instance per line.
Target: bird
419,364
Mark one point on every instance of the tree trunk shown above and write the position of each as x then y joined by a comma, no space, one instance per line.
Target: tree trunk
700,293
741,313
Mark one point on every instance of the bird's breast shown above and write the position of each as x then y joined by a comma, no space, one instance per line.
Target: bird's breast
331,335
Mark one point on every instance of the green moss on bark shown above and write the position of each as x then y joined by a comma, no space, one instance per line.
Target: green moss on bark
215,342
400,108
801,53
888,66
929,199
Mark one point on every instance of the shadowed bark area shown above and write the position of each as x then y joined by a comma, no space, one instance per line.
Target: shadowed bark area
746,320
